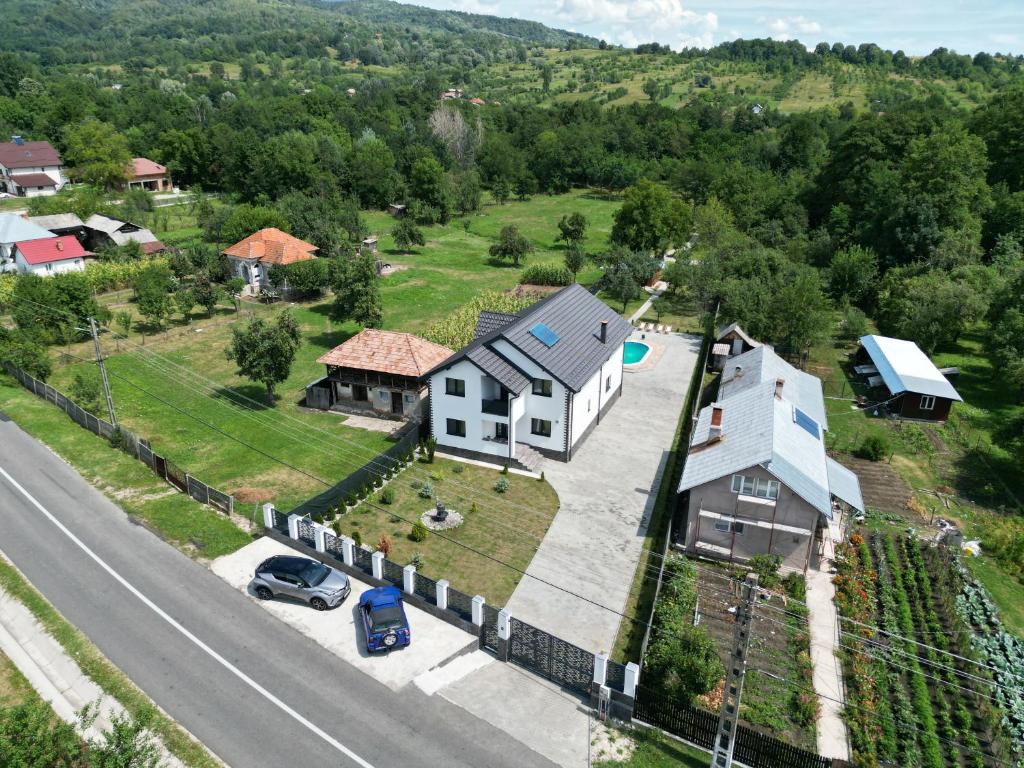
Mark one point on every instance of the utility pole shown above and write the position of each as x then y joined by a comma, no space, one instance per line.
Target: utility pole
103,372
728,716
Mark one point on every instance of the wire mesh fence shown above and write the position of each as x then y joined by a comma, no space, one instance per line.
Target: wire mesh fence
127,441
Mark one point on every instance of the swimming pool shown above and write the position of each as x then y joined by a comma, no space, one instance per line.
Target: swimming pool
634,352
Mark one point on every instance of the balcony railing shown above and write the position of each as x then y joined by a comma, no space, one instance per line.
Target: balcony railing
494,407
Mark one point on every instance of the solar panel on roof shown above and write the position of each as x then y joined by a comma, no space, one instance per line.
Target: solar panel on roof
544,335
806,422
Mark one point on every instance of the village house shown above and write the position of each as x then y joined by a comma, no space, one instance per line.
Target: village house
252,258
50,255
911,383
757,479
377,371
14,229
148,175
108,232
532,383
30,168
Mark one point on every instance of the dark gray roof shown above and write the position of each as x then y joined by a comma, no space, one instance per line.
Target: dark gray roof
575,316
488,322
499,367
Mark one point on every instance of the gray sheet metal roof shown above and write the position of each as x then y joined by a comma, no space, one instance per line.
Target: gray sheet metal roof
843,484
57,221
488,322
905,368
739,332
494,364
139,236
763,364
798,459
575,316
15,229
104,223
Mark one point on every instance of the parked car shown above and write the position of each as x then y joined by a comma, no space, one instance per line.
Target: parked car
384,621
302,579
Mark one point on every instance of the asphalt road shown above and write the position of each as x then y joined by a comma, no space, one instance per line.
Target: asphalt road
252,689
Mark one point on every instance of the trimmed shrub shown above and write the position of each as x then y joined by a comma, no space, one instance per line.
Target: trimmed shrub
387,496
426,491
502,485
873,448
419,531
458,469
357,537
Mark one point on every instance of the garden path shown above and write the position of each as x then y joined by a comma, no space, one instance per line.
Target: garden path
828,676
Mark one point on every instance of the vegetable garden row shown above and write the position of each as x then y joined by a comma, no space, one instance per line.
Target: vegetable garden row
932,679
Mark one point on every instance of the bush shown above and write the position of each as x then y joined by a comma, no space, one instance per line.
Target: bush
546,274
853,324
873,448
416,561
357,537
767,569
384,544
431,447
502,485
351,500
419,531
458,469
387,496
426,491
796,586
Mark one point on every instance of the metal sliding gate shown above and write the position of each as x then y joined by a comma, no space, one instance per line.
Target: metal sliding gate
546,655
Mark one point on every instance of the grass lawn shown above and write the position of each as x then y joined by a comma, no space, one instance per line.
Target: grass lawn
506,526
193,527
653,750
1005,592
14,688
96,666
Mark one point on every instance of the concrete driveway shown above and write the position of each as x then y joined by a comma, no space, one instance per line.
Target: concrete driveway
606,496
340,630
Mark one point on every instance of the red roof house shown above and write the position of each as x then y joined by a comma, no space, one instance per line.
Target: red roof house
51,254
148,175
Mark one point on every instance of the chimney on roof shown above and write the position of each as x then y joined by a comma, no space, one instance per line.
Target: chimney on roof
17,140
737,372
715,433
779,384
604,331
60,246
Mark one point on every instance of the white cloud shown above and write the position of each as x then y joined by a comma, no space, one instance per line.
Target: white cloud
792,28
631,23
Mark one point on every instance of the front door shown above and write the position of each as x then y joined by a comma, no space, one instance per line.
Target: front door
359,393
396,403
501,431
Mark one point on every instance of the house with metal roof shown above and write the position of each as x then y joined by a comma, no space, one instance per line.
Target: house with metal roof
13,229
376,371
51,255
531,384
761,364
757,479
913,385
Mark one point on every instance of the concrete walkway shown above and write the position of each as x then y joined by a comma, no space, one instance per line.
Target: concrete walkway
606,495
828,675
54,675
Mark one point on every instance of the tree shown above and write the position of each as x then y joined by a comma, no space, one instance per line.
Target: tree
572,228
853,275
85,390
406,234
652,89
511,246
205,293
429,184
264,351
185,300
26,353
245,219
574,258
123,320
650,219
620,284
152,294
356,291
931,308
98,153
500,190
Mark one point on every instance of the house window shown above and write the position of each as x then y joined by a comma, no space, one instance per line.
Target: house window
455,387
385,395
456,427
540,427
410,398
767,489
729,526
743,484
927,403
608,384
542,387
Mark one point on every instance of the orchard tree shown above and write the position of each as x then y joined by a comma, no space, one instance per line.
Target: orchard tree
650,219
574,258
620,284
185,300
511,246
356,290
572,228
406,234
98,153
206,293
264,352
152,294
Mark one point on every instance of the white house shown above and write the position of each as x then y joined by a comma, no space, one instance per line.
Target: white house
50,256
252,258
538,381
30,168
14,229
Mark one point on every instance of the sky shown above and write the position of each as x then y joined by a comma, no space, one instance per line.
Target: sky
914,26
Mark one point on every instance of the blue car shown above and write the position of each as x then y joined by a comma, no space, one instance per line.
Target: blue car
384,621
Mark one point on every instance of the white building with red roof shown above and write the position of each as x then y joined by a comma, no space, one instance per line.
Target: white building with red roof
48,256
252,258
146,174
30,168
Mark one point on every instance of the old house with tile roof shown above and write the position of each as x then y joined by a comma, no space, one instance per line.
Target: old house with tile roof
253,257
378,371
531,384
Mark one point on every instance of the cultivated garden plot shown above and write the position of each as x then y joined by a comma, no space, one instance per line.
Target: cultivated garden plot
937,684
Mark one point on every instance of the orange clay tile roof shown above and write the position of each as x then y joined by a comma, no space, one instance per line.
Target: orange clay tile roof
143,166
272,246
400,354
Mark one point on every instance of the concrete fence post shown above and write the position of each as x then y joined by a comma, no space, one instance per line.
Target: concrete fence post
268,515
348,551
478,610
293,526
377,560
600,668
409,579
319,538
504,634
632,679
442,594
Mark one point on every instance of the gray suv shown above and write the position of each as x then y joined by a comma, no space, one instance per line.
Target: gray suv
301,579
